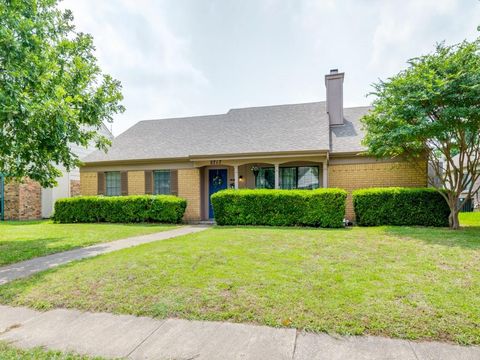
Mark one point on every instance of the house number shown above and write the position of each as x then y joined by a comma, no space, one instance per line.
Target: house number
215,162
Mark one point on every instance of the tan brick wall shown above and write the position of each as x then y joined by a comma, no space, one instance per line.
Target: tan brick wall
189,189
88,183
357,176
136,182
23,201
74,188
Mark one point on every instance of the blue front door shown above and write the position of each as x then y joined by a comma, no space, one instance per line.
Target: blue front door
217,180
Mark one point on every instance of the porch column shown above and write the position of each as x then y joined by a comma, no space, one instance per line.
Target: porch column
325,174
235,175
277,176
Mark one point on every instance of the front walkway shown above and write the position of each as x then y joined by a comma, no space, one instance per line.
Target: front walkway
124,336
29,267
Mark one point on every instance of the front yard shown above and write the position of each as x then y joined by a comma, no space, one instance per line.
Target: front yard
23,240
407,282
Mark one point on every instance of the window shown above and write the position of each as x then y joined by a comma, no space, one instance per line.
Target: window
113,183
301,177
265,178
161,182
288,178
307,177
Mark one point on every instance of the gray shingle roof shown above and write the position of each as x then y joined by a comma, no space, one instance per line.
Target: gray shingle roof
279,128
348,137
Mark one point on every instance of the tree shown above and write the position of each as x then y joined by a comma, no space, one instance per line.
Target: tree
431,111
52,92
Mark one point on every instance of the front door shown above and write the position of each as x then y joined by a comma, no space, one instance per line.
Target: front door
217,180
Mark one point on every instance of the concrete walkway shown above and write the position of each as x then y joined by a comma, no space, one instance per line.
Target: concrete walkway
122,336
29,267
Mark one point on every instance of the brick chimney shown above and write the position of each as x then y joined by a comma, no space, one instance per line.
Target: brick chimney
334,84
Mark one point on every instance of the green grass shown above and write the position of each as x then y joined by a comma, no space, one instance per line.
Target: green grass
470,219
23,240
406,282
8,352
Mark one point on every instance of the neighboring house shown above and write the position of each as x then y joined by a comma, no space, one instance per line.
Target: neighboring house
28,200
472,204
475,201
299,146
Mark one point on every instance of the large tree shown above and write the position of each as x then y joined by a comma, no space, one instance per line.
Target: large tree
52,91
431,111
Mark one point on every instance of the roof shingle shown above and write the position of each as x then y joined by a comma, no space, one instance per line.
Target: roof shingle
278,128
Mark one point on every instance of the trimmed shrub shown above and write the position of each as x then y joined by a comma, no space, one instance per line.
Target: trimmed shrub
319,208
120,209
400,206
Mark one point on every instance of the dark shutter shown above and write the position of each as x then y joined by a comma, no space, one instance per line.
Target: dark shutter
174,182
101,183
124,182
148,182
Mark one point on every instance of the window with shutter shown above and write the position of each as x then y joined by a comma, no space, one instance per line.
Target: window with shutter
162,182
113,183
148,182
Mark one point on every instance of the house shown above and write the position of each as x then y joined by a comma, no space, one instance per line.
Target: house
472,204
296,146
28,200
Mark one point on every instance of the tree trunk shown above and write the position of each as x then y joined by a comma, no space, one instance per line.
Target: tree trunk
453,220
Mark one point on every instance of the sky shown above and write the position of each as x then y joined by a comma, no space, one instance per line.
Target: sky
194,57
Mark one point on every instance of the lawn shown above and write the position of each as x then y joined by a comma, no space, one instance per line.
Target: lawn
406,282
23,240
8,352
470,218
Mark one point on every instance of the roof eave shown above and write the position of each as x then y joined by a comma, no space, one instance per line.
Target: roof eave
314,152
134,161
210,157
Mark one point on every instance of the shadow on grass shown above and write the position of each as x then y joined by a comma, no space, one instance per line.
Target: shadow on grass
282,228
467,237
16,251
23,222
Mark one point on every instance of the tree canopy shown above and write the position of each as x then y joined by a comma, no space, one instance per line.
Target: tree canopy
431,110
52,91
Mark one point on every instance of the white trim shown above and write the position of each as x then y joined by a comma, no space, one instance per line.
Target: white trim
235,175
277,176
325,174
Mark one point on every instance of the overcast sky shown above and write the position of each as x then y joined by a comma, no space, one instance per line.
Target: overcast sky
194,57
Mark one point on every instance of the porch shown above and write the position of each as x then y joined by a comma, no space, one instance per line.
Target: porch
301,172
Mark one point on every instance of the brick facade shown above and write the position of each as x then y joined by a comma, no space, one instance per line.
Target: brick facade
349,176
357,176
88,183
136,182
189,189
23,201
74,188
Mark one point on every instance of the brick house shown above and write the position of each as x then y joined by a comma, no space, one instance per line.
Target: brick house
28,200
296,146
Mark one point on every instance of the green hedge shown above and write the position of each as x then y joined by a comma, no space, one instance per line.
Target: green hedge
319,208
120,209
400,206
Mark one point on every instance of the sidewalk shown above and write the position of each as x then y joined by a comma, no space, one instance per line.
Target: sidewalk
123,336
29,267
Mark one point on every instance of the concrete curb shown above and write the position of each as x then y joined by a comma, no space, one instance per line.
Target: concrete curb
125,336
